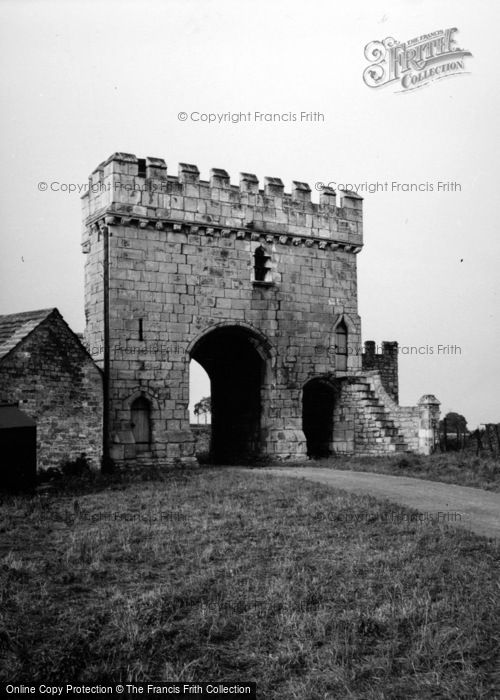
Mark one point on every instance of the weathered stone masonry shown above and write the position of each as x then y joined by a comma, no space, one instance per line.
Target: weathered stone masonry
252,284
45,369
386,363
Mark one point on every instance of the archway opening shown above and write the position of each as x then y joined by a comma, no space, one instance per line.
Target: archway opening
318,402
200,410
234,361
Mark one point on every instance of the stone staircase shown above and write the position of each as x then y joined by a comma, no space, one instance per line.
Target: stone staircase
377,432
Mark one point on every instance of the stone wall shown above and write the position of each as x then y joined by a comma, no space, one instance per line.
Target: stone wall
386,363
406,418
53,379
201,434
367,422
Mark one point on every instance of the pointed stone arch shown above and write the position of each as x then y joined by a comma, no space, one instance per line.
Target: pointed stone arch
346,318
144,392
261,343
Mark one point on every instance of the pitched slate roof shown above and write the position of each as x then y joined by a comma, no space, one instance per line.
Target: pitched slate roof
15,327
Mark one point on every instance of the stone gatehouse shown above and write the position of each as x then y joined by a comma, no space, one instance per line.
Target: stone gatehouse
257,285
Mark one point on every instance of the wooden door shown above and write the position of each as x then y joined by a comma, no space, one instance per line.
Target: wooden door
141,423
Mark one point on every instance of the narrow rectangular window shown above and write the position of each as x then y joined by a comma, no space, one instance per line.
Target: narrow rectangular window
141,172
141,333
341,346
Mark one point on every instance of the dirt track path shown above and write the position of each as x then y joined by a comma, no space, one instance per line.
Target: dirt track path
479,510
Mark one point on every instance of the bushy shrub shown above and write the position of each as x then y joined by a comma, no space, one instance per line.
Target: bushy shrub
403,463
77,467
50,474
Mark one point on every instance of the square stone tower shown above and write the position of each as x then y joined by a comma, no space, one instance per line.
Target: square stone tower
257,285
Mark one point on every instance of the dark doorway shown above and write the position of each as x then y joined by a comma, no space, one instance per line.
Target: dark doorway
236,370
140,415
318,402
17,449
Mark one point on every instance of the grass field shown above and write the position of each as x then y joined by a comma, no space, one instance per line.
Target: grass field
219,575
463,468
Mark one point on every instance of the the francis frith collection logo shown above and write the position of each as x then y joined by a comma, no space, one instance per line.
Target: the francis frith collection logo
415,63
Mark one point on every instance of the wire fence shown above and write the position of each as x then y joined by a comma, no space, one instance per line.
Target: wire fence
483,440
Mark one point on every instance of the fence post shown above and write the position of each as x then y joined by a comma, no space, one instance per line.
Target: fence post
498,437
488,437
428,430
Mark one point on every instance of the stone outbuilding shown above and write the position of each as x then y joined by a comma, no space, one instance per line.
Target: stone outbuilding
47,372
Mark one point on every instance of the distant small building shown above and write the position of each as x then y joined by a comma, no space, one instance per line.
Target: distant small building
49,375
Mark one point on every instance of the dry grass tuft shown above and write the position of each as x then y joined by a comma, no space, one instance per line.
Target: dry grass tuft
462,468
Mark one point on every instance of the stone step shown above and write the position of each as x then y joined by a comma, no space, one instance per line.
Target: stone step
383,435
376,411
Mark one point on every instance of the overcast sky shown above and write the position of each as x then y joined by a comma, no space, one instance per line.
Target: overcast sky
81,80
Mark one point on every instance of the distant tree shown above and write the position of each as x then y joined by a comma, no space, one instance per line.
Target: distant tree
203,408
456,424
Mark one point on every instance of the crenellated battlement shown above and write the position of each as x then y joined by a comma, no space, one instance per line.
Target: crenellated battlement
142,189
